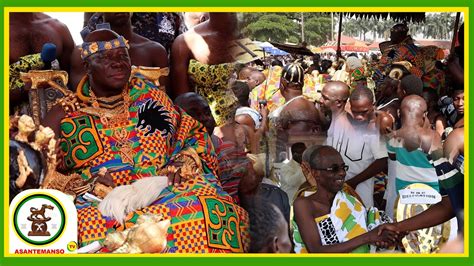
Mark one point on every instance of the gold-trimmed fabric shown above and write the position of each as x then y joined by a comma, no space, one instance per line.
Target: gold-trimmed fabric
89,48
156,146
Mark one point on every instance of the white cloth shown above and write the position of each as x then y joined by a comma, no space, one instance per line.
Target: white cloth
254,114
276,113
353,62
341,75
391,190
359,146
291,177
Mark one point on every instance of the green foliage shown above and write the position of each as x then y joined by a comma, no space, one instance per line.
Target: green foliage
360,28
436,26
439,26
317,30
269,27
286,27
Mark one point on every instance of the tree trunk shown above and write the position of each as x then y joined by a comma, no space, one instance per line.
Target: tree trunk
302,27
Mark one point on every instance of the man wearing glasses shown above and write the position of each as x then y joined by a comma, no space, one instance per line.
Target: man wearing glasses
329,216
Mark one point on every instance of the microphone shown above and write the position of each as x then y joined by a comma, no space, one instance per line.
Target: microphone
48,54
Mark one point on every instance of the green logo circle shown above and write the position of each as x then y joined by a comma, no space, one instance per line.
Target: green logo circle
38,218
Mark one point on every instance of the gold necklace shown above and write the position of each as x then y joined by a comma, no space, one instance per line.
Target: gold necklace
117,116
111,102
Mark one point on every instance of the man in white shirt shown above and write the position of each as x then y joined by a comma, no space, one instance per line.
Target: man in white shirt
356,138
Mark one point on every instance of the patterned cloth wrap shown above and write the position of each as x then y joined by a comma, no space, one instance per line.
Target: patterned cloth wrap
311,88
433,77
451,179
380,181
203,217
211,82
233,166
422,58
358,77
348,219
24,64
269,90
404,51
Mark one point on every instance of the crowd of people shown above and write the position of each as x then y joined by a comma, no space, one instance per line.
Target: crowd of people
291,154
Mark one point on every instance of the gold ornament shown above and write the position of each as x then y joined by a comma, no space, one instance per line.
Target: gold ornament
26,126
187,161
427,240
113,112
124,145
151,73
39,77
72,184
101,190
148,235
24,169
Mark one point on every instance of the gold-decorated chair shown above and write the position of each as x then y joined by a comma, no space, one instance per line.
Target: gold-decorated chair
47,87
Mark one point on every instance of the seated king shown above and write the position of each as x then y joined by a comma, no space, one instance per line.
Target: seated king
126,151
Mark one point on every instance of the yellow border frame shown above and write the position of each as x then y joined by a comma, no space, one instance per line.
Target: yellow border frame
465,10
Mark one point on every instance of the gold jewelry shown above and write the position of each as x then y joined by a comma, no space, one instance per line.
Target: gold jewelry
115,116
69,184
114,112
90,48
124,145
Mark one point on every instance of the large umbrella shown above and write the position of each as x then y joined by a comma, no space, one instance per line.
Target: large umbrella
347,44
293,49
265,45
274,51
329,50
246,51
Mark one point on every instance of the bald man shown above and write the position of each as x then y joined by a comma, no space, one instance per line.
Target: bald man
410,163
299,116
450,180
334,96
332,104
197,107
255,78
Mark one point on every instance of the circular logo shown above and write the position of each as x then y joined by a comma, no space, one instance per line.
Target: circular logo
39,219
71,246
